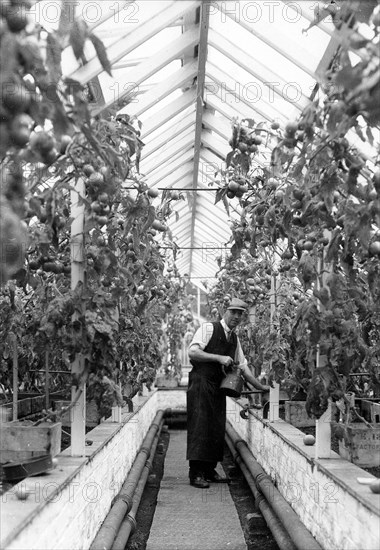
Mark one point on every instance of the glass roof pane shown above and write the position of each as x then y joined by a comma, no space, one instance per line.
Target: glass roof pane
124,20
247,92
274,45
256,91
159,76
306,47
160,104
174,123
157,42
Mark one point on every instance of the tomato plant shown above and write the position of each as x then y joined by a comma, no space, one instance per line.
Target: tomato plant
312,217
113,319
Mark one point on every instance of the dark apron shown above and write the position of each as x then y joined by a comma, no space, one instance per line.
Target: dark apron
206,404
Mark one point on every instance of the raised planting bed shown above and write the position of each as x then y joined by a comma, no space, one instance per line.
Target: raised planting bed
93,417
295,414
340,512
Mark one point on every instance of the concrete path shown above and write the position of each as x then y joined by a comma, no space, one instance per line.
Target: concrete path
188,518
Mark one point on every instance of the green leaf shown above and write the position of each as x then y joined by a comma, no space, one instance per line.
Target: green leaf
364,232
306,270
219,194
101,52
249,121
229,158
60,121
369,135
30,52
348,77
226,205
151,216
78,35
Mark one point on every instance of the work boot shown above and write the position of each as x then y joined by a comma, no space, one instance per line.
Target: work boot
199,481
214,477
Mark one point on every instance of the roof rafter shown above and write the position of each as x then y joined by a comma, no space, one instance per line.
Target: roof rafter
164,139
179,175
227,86
218,125
183,76
271,43
224,108
182,144
202,57
160,174
152,22
168,112
153,64
217,145
273,81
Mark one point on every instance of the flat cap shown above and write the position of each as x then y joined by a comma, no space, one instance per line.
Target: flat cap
236,303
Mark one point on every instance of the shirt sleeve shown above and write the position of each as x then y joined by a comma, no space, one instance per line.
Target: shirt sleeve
239,356
202,336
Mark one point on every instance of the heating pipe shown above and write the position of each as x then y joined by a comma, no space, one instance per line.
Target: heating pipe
301,537
128,525
279,532
124,500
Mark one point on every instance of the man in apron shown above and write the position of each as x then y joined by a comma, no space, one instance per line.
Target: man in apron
214,348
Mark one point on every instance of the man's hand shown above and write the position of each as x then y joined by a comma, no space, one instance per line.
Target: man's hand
226,361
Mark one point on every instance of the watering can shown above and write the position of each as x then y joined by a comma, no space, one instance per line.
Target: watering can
232,383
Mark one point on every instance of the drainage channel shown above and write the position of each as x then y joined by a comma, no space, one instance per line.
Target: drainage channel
157,508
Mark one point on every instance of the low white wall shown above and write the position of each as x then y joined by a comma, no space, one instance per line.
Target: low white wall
68,505
340,513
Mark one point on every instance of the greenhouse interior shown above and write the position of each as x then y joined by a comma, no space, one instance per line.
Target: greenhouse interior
190,275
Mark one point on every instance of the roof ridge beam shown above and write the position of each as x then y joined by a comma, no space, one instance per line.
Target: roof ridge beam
202,58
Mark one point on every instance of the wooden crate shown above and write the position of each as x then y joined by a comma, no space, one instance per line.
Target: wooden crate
27,406
21,440
295,414
362,446
369,409
24,407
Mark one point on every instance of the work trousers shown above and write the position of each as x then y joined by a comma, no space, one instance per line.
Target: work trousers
197,467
